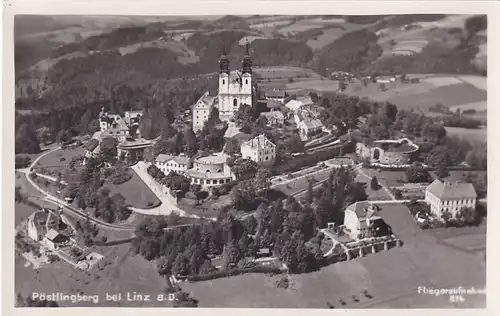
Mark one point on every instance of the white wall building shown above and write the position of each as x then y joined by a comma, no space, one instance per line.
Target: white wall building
168,163
259,149
235,89
450,197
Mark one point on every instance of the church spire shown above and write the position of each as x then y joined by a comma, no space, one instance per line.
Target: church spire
247,61
224,62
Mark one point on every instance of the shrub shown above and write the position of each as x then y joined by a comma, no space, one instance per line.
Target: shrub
283,283
120,176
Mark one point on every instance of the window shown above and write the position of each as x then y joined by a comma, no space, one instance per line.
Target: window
235,102
221,181
219,170
246,81
208,181
207,171
223,81
228,180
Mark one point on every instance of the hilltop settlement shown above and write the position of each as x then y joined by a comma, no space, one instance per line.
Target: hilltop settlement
254,179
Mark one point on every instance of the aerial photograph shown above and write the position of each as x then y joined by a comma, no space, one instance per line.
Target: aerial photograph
251,161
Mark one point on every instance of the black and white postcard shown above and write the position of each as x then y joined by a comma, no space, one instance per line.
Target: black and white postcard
223,155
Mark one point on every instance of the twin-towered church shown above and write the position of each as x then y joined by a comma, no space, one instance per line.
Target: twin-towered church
235,89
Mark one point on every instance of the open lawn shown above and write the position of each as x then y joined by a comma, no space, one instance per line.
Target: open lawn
473,135
390,278
388,178
135,191
284,72
210,208
373,195
300,184
124,272
52,161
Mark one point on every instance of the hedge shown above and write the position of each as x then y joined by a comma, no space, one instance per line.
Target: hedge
232,272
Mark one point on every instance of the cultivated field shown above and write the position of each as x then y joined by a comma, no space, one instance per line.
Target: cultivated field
433,89
473,135
124,272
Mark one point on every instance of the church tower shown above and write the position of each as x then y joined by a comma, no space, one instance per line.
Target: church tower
235,88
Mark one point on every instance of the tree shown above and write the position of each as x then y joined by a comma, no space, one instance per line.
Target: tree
232,147
231,255
468,216
182,299
309,193
442,172
19,197
244,116
416,173
446,217
374,184
26,140
191,145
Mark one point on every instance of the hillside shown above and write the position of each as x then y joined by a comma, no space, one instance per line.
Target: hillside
90,57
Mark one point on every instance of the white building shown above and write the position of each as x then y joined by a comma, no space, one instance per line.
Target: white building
359,218
235,89
309,128
168,163
259,149
450,197
210,171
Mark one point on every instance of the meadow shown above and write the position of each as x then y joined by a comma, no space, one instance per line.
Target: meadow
389,278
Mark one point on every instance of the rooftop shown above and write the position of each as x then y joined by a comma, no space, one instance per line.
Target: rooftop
294,105
273,114
205,100
179,159
137,142
213,159
363,209
259,142
312,123
452,190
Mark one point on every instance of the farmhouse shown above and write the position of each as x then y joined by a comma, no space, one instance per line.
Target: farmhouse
40,222
361,218
274,118
168,163
388,152
210,171
53,239
259,149
309,128
450,197
235,89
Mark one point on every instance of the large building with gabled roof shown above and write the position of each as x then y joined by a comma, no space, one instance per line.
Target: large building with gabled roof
450,197
259,149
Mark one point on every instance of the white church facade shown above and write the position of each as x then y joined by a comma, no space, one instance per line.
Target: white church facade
235,89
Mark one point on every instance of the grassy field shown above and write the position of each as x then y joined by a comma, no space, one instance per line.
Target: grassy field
52,161
373,195
135,191
389,178
432,89
124,272
390,278
473,135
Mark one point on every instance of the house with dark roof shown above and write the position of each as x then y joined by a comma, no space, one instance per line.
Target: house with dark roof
450,197
359,218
